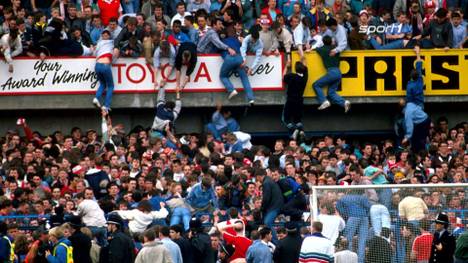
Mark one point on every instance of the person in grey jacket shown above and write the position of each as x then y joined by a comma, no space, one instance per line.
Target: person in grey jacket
210,42
166,111
153,251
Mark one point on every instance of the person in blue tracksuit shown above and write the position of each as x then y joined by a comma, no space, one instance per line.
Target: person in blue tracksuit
414,89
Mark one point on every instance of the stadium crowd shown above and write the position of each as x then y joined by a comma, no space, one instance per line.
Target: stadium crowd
195,198
151,195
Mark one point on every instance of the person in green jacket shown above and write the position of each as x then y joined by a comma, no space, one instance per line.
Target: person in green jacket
331,61
461,250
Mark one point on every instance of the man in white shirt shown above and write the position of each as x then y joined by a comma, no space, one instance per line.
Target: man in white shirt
181,14
344,255
332,223
298,35
93,217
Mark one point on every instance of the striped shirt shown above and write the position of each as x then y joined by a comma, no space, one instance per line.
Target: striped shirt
316,248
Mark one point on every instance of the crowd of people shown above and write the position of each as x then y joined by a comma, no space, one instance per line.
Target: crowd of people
150,195
178,31
147,194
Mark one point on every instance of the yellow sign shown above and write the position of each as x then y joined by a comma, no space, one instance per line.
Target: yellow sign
386,72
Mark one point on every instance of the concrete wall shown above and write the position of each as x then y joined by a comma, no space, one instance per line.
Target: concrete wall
263,120
195,100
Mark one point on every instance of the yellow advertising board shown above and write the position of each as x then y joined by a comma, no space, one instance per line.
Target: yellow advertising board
386,72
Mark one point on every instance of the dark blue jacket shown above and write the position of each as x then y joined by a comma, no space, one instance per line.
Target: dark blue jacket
94,178
353,205
272,195
231,42
414,89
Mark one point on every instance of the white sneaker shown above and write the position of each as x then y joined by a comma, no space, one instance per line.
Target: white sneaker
324,105
107,110
251,102
347,106
96,103
232,94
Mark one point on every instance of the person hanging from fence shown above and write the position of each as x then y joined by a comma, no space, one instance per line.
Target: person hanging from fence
104,57
414,88
292,110
417,125
331,61
166,113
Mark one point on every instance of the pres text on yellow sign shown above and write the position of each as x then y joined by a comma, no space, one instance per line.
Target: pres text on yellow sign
386,73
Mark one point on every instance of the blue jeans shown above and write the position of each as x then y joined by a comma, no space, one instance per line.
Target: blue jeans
132,7
269,220
380,217
332,79
100,233
385,197
181,214
395,44
106,82
359,225
231,65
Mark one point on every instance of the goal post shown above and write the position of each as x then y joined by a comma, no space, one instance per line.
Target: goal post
388,223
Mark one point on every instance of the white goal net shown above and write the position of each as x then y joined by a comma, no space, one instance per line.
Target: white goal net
390,223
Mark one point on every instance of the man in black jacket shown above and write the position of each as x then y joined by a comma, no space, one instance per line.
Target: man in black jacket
292,111
439,33
201,243
186,55
81,243
121,248
443,244
130,30
272,200
176,233
288,248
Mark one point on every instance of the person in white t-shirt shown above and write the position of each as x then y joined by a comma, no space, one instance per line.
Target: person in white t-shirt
333,224
344,255
181,14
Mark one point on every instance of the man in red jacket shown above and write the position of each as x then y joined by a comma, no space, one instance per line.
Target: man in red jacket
271,11
239,241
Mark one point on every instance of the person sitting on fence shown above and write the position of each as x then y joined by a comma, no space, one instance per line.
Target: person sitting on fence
332,78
